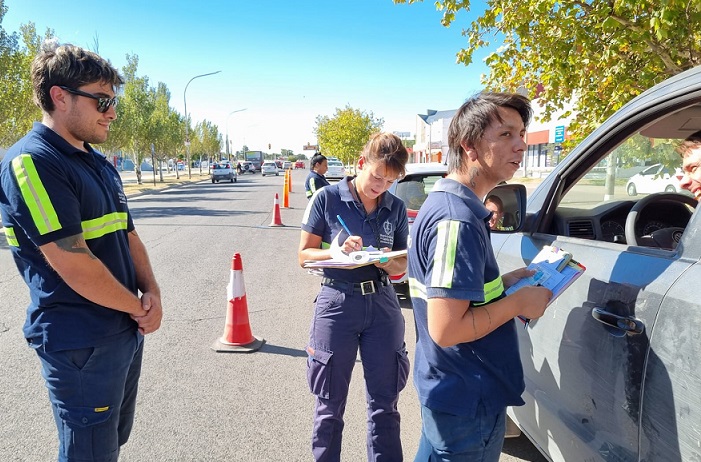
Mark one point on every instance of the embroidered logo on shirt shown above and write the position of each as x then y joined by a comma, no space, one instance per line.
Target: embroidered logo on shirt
387,239
120,192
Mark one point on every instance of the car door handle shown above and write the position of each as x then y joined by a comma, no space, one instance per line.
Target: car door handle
626,324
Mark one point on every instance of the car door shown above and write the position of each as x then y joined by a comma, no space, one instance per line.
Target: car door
586,361
584,377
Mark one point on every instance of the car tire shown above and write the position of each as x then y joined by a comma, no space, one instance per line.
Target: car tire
212,180
232,180
631,190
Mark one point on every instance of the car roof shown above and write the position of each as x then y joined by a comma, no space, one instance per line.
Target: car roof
428,167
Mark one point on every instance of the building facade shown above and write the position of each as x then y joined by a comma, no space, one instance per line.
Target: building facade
544,139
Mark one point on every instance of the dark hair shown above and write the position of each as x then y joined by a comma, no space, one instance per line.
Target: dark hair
317,159
388,149
692,141
70,66
474,116
496,200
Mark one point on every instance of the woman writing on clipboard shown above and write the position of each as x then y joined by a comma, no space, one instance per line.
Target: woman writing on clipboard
358,308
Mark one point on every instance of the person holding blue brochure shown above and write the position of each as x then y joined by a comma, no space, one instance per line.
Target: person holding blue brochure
357,309
467,367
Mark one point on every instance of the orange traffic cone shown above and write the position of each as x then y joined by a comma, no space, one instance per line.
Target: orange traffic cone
289,180
286,193
237,330
276,221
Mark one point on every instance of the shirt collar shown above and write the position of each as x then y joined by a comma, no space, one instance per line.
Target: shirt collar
467,195
60,143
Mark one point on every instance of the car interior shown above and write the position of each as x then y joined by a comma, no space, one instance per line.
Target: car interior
414,188
593,202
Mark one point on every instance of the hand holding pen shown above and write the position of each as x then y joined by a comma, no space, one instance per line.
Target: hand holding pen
352,243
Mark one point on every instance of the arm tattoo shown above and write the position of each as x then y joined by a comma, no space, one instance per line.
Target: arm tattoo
74,244
474,173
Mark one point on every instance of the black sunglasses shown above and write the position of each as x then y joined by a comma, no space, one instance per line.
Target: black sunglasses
103,104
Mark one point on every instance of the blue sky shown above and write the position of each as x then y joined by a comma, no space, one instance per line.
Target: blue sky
285,62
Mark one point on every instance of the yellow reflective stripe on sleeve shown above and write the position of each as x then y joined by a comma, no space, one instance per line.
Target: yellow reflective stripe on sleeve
417,290
11,237
98,227
492,289
34,194
444,258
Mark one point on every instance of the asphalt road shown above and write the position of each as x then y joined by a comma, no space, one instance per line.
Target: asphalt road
195,404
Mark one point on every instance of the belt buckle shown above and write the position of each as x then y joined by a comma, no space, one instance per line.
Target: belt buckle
367,287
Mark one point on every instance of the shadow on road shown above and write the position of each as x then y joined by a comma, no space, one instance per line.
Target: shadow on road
280,350
523,449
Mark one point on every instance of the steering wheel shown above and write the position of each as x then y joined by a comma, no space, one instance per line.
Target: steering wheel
666,238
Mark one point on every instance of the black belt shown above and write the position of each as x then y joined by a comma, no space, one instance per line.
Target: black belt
364,287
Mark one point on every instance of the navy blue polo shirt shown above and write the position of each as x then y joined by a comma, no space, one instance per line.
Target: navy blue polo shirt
386,226
314,182
50,190
450,256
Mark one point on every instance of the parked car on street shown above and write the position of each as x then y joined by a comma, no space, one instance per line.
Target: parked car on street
336,170
655,178
612,368
223,171
269,167
413,189
300,164
286,165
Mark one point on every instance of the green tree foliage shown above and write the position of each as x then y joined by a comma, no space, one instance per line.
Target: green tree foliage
598,54
206,141
344,135
17,109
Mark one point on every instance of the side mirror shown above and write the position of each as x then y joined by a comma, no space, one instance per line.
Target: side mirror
508,205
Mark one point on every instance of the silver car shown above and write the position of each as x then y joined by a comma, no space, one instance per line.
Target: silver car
612,368
336,170
269,168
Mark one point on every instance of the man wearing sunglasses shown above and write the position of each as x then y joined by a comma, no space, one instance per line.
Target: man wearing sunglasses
93,292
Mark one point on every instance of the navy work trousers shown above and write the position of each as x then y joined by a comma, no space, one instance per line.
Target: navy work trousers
452,438
343,323
93,396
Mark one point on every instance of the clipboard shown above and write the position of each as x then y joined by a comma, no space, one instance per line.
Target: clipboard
555,269
356,259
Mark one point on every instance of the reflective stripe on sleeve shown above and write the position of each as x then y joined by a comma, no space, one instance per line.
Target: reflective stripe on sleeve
34,194
417,290
11,237
492,289
444,257
98,227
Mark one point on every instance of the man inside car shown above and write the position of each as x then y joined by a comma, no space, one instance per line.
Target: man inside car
690,150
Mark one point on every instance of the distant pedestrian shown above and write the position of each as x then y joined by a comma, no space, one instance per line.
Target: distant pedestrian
467,367
316,179
358,308
73,240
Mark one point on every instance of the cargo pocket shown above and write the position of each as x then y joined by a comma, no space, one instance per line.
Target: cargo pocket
81,417
402,368
319,372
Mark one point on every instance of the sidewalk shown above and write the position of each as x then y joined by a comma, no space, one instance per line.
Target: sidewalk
131,187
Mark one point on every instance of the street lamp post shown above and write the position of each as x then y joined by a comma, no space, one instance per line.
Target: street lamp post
187,136
227,131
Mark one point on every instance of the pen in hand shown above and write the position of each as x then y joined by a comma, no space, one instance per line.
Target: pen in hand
343,223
